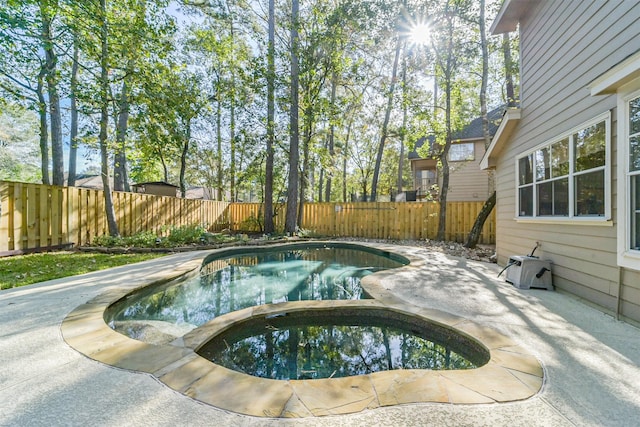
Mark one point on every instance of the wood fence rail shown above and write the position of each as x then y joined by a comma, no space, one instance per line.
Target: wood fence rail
39,216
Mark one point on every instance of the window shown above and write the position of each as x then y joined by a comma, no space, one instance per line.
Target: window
623,78
633,172
425,178
629,177
462,152
568,177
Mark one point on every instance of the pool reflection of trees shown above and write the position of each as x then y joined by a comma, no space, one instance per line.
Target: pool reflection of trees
242,281
316,351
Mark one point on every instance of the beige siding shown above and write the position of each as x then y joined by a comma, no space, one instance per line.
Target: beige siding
564,46
467,181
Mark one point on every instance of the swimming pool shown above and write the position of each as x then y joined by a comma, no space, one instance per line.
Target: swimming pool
511,373
245,278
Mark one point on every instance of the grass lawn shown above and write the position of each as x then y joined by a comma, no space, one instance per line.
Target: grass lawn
26,269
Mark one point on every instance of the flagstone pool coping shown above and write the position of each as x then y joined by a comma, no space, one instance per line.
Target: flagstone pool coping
511,373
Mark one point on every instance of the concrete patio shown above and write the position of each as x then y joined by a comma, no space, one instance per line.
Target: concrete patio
591,361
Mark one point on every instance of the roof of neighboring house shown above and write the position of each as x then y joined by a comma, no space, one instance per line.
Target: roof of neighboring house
474,129
471,132
413,154
158,183
204,193
91,181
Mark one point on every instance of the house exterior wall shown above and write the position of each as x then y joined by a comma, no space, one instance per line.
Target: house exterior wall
565,45
467,182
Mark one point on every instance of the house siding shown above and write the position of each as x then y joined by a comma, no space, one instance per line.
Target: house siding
467,181
564,46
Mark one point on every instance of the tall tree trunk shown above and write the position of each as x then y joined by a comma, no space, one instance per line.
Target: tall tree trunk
304,177
403,131
476,230
73,130
294,156
365,190
47,11
485,76
120,178
321,179
165,168
345,150
483,89
219,143
435,93
474,234
332,132
444,160
104,121
232,118
271,89
232,138
183,158
321,185
385,123
508,70
44,128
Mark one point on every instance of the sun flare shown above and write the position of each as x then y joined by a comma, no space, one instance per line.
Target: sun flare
420,34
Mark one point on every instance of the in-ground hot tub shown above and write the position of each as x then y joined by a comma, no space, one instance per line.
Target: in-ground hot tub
340,342
510,373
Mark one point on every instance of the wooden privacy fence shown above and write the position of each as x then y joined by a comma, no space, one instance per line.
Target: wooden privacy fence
40,216
384,220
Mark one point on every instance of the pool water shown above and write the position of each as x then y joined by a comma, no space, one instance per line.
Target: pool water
250,279
331,346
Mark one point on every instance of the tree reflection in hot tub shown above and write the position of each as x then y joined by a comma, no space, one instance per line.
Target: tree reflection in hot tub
306,349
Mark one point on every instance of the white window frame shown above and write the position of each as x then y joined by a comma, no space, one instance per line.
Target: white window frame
627,257
466,159
571,217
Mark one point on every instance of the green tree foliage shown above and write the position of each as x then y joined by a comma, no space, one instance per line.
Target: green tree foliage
206,96
28,67
19,152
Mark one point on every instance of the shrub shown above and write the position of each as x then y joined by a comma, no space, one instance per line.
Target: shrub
177,236
108,241
185,235
144,239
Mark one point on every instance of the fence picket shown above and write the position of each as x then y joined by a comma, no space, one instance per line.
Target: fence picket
20,217
5,206
32,205
56,211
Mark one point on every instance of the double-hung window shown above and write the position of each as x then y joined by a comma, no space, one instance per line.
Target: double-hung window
624,79
567,177
632,171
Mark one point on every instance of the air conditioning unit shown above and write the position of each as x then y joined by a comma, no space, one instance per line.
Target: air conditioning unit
525,272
